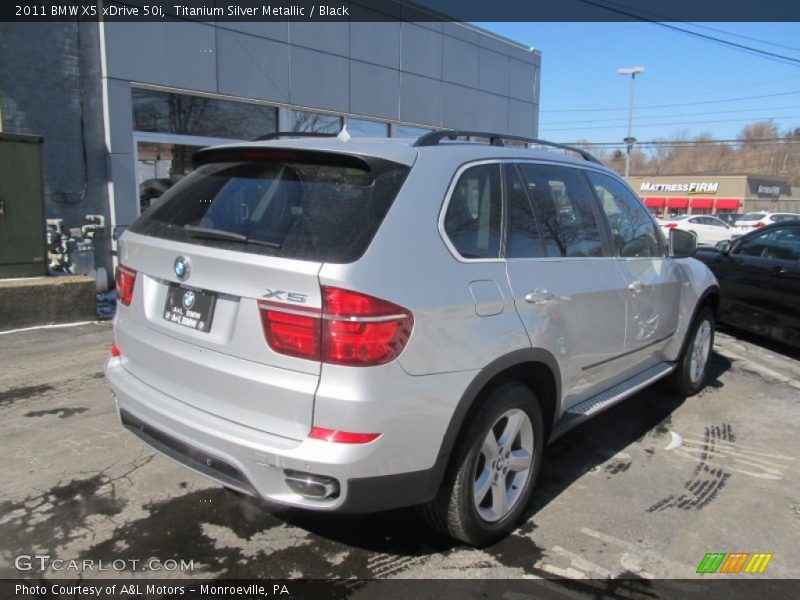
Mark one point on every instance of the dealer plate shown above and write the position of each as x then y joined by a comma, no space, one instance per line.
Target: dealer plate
190,307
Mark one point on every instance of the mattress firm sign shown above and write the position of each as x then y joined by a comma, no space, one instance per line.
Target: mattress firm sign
685,188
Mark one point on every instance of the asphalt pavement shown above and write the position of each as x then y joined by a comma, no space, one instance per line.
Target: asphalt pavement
645,490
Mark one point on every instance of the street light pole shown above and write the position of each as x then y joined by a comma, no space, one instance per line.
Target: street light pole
630,140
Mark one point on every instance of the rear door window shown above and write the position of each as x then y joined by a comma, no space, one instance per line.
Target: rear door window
562,202
523,234
307,207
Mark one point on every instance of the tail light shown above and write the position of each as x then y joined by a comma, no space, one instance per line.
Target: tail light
292,332
125,278
351,329
361,330
759,224
671,225
115,353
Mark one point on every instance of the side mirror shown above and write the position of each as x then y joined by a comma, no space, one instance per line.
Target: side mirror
724,246
682,244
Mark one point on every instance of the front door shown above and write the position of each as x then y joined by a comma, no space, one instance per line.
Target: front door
653,283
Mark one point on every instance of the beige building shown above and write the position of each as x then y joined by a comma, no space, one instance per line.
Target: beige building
665,195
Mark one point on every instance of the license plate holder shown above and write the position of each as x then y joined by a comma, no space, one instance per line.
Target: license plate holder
190,307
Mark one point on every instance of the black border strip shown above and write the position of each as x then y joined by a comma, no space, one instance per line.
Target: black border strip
431,11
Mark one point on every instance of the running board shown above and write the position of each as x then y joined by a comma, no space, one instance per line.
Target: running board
597,404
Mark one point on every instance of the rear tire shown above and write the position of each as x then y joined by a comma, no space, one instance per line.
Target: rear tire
689,376
493,468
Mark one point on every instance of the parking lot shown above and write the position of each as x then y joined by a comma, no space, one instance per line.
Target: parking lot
643,491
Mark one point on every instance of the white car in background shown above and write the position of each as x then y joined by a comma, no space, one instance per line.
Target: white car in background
754,220
709,230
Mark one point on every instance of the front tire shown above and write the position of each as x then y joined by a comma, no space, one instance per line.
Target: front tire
493,469
690,374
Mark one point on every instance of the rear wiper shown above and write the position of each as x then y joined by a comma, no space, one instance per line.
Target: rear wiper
210,233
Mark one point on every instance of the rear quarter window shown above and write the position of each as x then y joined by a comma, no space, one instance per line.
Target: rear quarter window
324,211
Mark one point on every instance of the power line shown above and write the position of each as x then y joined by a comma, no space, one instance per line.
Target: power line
691,143
744,37
741,47
661,17
680,124
638,118
672,105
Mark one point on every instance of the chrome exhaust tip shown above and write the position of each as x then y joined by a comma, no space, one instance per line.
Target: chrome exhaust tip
308,485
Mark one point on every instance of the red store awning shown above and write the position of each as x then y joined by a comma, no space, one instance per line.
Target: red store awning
728,203
654,202
677,202
702,202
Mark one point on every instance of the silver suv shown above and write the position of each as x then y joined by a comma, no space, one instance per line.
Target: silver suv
358,325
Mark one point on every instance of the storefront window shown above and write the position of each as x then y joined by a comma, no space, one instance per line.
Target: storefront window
314,122
184,114
365,128
406,131
159,167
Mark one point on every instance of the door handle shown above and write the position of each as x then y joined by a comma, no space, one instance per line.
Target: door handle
539,296
780,271
636,286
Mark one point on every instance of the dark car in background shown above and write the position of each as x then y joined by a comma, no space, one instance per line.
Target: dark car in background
759,279
728,218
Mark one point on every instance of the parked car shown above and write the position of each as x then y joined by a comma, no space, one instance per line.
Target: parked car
755,220
759,278
356,325
709,230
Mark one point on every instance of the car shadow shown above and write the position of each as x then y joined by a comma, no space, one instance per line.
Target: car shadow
760,340
404,533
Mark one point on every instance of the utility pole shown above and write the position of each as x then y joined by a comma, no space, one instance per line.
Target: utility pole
630,140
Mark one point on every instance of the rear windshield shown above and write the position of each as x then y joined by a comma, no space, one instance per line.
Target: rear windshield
320,212
752,217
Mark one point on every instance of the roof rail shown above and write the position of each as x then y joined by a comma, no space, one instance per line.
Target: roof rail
299,134
496,139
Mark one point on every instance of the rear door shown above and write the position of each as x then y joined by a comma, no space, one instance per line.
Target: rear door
233,251
569,294
653,284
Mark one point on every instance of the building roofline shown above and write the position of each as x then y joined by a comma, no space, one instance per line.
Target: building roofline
449,18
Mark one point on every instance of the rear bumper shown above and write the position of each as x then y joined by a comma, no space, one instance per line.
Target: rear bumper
255,462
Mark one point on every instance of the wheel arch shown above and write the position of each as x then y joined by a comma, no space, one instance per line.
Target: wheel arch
534,367
710,297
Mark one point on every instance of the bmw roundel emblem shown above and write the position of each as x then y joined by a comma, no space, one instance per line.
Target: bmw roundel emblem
188,300
182,268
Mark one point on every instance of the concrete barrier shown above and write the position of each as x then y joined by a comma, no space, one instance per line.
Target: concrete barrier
46,301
